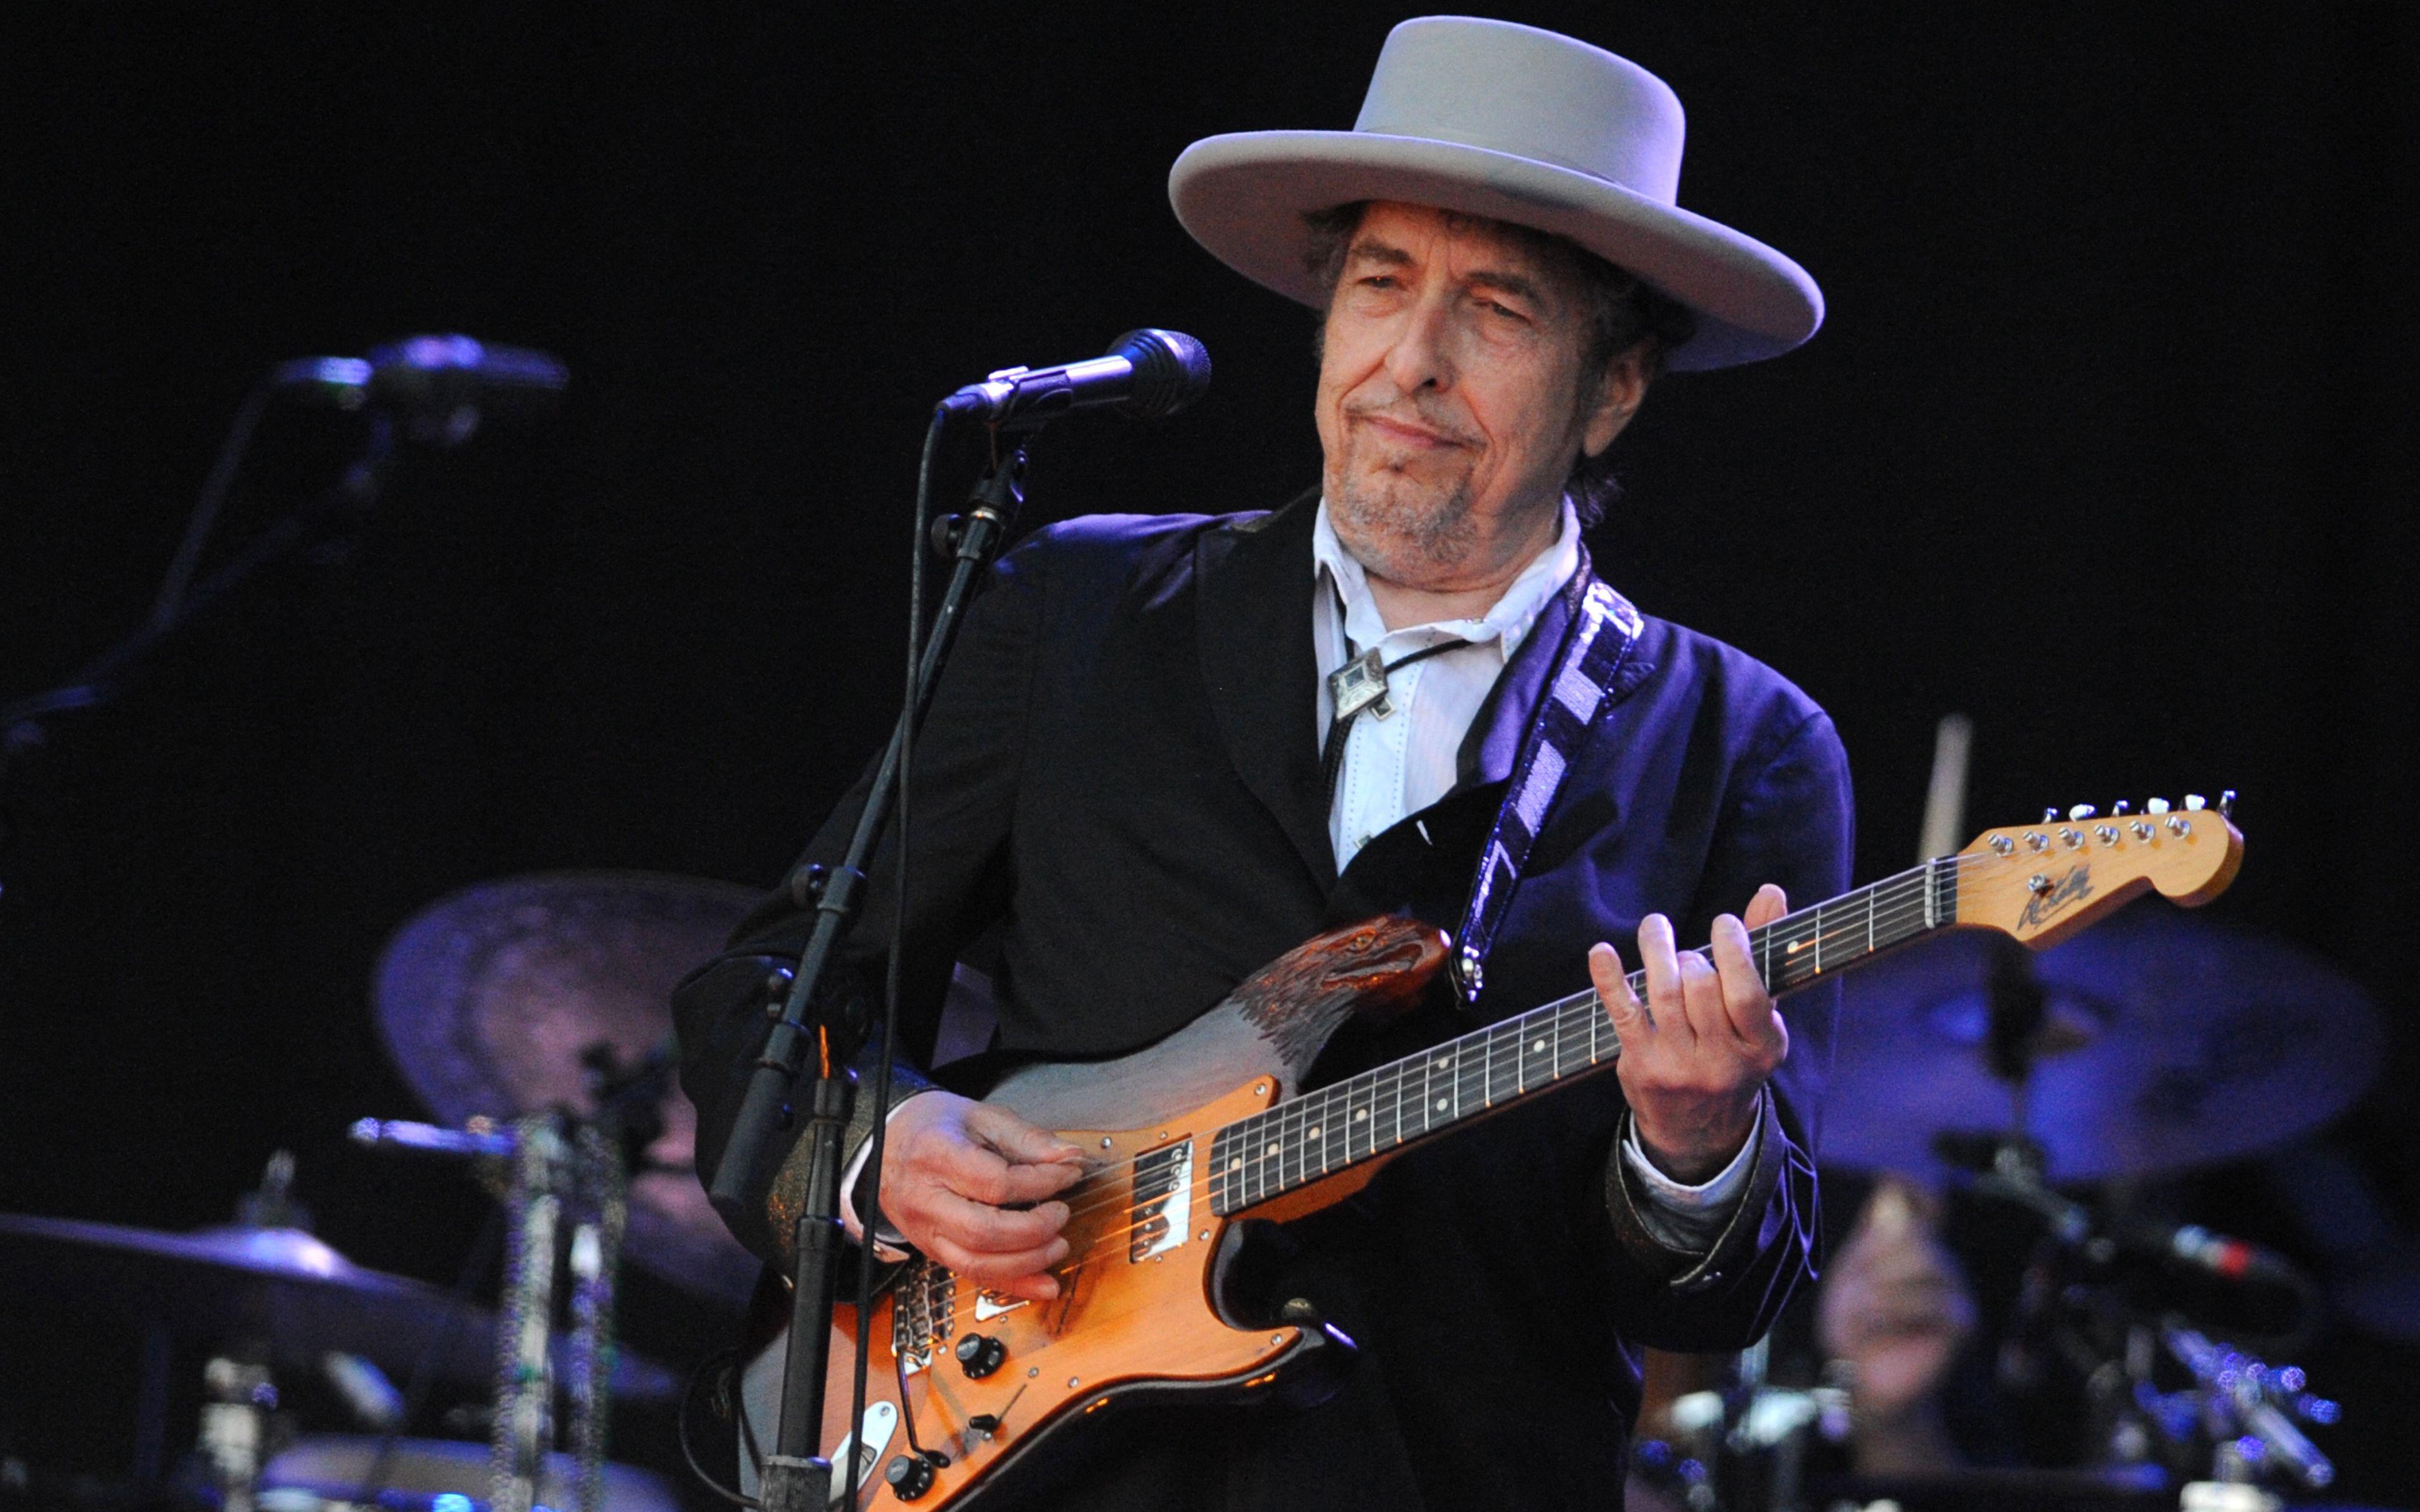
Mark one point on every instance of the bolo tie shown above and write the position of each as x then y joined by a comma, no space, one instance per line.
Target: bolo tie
1357,685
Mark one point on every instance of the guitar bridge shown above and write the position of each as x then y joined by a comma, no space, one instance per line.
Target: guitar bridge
920,1309
1163,1205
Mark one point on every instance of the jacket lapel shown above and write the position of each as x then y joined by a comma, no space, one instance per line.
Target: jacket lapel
1256,585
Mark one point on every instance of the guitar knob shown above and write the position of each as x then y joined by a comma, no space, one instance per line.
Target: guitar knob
980,1354
910,1477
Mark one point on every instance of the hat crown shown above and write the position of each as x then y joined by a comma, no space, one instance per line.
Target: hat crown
1530,93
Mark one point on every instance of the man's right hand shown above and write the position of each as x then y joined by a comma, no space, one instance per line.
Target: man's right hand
969,1185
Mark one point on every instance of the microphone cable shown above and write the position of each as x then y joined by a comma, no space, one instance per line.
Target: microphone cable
871,1218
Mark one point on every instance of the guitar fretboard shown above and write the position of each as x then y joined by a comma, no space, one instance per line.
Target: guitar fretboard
1320,1133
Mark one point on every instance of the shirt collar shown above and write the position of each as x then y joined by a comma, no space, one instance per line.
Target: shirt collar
1506,622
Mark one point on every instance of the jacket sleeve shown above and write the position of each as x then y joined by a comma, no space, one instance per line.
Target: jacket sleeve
1792,824
961,801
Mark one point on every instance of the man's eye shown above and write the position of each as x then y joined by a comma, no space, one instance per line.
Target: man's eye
1505,310
1378,281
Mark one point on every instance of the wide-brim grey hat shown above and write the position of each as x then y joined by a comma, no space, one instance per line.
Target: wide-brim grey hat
1491,119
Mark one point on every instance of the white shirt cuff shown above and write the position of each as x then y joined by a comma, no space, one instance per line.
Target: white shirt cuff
1683,1216
889,1243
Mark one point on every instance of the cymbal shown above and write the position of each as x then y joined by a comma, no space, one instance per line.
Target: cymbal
280,1290
330,1468
487,996
2169,1043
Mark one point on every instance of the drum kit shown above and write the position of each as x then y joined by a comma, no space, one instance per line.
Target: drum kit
528,1014
2151,1046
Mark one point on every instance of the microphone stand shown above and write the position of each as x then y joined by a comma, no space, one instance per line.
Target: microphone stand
794,1478
99,680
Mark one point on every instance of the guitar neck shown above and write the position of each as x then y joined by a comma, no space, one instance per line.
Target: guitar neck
1320,1133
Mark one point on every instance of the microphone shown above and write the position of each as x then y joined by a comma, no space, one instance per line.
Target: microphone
431,1139
440,386
2194,1248
1149,373
2012,1168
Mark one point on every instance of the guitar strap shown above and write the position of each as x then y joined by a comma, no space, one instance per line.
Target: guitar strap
1586,675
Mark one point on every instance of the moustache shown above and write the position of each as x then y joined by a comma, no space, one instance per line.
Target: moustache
1409,413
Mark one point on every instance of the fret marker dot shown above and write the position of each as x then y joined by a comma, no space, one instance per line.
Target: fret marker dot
1445,1063
1274,1146
1314,1131
1538,1046
1440,1104
1359,1113
1236,1164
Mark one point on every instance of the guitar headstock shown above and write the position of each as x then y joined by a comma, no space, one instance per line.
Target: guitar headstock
2041,882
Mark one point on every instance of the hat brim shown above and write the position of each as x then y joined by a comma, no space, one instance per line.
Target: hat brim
1244,197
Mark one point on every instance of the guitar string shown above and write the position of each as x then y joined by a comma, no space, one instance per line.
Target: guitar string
1556,1021
1558,1018
1295,1115
1891,904
1291,1124
1294,1118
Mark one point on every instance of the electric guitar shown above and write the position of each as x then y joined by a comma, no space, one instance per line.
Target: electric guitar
1209,1126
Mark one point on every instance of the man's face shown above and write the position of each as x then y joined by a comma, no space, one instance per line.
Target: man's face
1452,401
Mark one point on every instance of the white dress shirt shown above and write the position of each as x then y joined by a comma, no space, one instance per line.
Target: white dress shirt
1401,762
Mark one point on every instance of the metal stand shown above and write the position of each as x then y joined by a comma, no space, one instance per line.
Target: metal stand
2235,1415
564,1187
98,682
796,1479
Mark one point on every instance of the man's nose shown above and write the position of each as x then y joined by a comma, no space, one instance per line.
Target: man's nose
1420,357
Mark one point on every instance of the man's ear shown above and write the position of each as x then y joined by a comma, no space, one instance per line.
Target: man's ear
1620,389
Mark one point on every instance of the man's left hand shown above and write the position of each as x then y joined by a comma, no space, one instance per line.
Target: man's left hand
1696,1055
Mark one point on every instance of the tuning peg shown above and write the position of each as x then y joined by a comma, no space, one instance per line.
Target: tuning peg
2226,803
2050,816
2155,805
2082,811
2120,807
2196,803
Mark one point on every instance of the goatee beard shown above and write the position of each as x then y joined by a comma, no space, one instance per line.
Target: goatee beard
1399,530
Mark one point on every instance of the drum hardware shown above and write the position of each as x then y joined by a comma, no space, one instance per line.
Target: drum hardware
235,1408
2251,1412
564,1188
2154,1034
2235,1422
279,1295
327,1472
267,1299
1745,1444
525,993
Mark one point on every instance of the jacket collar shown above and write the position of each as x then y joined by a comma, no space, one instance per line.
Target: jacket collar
1257,661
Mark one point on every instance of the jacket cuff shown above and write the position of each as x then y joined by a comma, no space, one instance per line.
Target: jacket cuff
1690,1270
786,1198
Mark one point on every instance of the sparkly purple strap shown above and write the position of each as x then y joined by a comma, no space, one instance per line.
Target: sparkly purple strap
1595,649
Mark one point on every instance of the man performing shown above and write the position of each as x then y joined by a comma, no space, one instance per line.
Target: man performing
1162,757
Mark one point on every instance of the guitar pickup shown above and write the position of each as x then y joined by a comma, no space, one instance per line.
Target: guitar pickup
1163,1202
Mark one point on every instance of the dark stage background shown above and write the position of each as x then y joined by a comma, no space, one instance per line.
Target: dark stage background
2108,442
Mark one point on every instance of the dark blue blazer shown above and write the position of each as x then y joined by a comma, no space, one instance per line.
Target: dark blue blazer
1118,800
